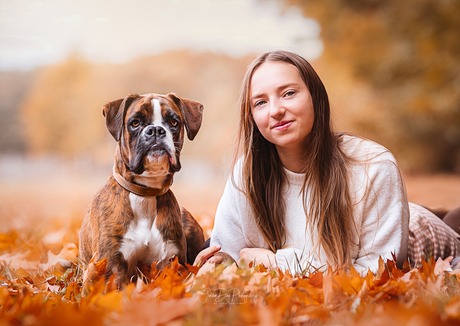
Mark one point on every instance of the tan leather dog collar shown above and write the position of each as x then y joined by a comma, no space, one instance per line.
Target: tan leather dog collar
138,189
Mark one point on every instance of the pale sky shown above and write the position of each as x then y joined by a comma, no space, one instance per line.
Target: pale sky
36,32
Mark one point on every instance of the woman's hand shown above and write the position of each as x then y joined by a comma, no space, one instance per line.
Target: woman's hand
208,258
258,256
207,255
212,255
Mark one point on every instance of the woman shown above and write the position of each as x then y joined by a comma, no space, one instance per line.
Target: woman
302,197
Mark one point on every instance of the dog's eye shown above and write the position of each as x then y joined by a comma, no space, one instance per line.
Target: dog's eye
173,122
135,123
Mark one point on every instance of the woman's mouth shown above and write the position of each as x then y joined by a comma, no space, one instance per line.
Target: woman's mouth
282,125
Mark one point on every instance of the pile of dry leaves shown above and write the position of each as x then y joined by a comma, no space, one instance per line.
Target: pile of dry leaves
40,284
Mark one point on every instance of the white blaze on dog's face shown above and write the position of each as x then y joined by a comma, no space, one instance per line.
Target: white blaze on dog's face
154,132
150,129
156,161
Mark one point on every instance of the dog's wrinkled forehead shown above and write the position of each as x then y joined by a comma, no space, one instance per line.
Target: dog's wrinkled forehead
118,112
154,106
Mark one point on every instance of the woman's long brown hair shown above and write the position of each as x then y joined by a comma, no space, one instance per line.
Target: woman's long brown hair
325,192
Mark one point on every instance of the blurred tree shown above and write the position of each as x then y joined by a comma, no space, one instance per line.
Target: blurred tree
14,86
409,52
57,114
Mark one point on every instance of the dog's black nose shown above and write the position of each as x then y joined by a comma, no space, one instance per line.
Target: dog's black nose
155,131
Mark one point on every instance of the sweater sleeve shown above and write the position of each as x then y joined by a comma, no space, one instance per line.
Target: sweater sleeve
228,230
385,217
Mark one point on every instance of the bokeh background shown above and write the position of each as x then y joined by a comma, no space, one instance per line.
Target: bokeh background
392,69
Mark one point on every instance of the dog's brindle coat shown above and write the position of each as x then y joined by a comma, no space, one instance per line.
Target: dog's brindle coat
135,219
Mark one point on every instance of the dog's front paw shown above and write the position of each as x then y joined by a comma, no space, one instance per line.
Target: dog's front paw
95,272
92,273
165,262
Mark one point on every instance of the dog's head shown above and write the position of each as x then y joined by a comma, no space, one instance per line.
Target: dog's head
150,130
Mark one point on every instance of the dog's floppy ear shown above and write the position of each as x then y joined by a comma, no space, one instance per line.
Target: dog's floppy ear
114,113
192,112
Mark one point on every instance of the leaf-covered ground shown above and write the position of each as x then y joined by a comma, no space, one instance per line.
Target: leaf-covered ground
40,284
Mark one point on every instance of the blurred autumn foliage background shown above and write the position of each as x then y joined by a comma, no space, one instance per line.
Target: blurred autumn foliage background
406,53
391,68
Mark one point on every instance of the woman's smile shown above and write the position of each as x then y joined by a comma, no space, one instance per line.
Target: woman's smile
282,125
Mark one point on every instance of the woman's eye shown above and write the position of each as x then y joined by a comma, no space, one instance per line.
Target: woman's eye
289,93
259,103
135,123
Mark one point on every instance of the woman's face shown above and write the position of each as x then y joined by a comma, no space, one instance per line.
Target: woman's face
281,106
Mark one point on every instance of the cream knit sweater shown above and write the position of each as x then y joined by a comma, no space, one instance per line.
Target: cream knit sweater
381,214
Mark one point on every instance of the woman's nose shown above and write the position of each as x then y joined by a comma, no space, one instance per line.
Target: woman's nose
276,109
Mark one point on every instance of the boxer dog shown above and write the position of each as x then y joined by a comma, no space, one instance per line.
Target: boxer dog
135,219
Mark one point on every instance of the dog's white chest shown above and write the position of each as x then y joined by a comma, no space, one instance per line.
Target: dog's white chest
143,241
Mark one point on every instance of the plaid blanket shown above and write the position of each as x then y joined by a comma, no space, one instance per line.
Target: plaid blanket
430,237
